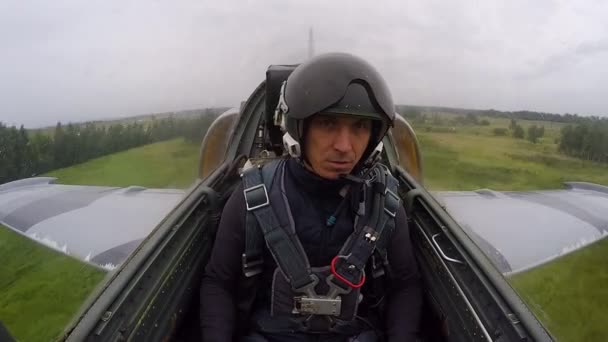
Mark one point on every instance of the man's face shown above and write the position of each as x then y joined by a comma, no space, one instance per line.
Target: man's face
334,145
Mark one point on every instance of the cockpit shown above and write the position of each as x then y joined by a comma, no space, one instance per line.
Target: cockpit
401,145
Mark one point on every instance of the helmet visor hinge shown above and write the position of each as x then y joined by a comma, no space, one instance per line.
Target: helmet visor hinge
279,113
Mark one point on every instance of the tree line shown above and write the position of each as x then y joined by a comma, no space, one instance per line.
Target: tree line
587,140
540,116
468,119
416,111
23,154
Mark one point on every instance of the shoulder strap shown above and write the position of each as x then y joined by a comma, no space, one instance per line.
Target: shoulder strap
282,246
254,239
382,267
379,225
391,203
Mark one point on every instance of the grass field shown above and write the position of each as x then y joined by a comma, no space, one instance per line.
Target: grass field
40,289
472,158
167,164
570,295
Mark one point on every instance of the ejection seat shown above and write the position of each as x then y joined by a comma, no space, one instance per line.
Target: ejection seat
400,145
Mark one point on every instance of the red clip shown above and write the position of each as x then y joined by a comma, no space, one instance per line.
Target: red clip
333,271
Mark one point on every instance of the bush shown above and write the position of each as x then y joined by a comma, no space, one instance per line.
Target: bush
484,122
535,132
500,131
518,132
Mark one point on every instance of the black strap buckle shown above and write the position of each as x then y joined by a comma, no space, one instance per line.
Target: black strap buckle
256,197
252,267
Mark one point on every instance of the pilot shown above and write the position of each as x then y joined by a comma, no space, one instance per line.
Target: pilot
316,246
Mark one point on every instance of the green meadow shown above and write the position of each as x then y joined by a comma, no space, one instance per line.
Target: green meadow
40,289
167,164
472,157
570,294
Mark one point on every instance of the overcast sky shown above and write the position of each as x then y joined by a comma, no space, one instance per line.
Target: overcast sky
81,60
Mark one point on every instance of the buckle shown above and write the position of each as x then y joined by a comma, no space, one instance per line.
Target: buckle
253,197
253,267
317,306
371,236
334,272
391,203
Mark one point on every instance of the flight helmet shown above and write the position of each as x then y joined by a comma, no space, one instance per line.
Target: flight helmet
335,84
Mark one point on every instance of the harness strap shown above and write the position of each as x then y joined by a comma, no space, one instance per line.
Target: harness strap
391,205
252,259
357,251
262,224
282,246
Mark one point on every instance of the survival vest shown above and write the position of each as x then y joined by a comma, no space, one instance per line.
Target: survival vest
321,299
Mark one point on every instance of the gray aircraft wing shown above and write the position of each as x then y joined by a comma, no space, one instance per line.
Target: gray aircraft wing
522,230
99,225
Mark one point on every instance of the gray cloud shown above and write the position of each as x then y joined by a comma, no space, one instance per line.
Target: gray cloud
72,60
568,59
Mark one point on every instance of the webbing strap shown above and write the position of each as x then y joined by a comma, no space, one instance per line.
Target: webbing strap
252,259
284,250
362,244
254,240
391,204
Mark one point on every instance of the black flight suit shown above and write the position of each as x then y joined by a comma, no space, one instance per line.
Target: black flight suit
312,200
